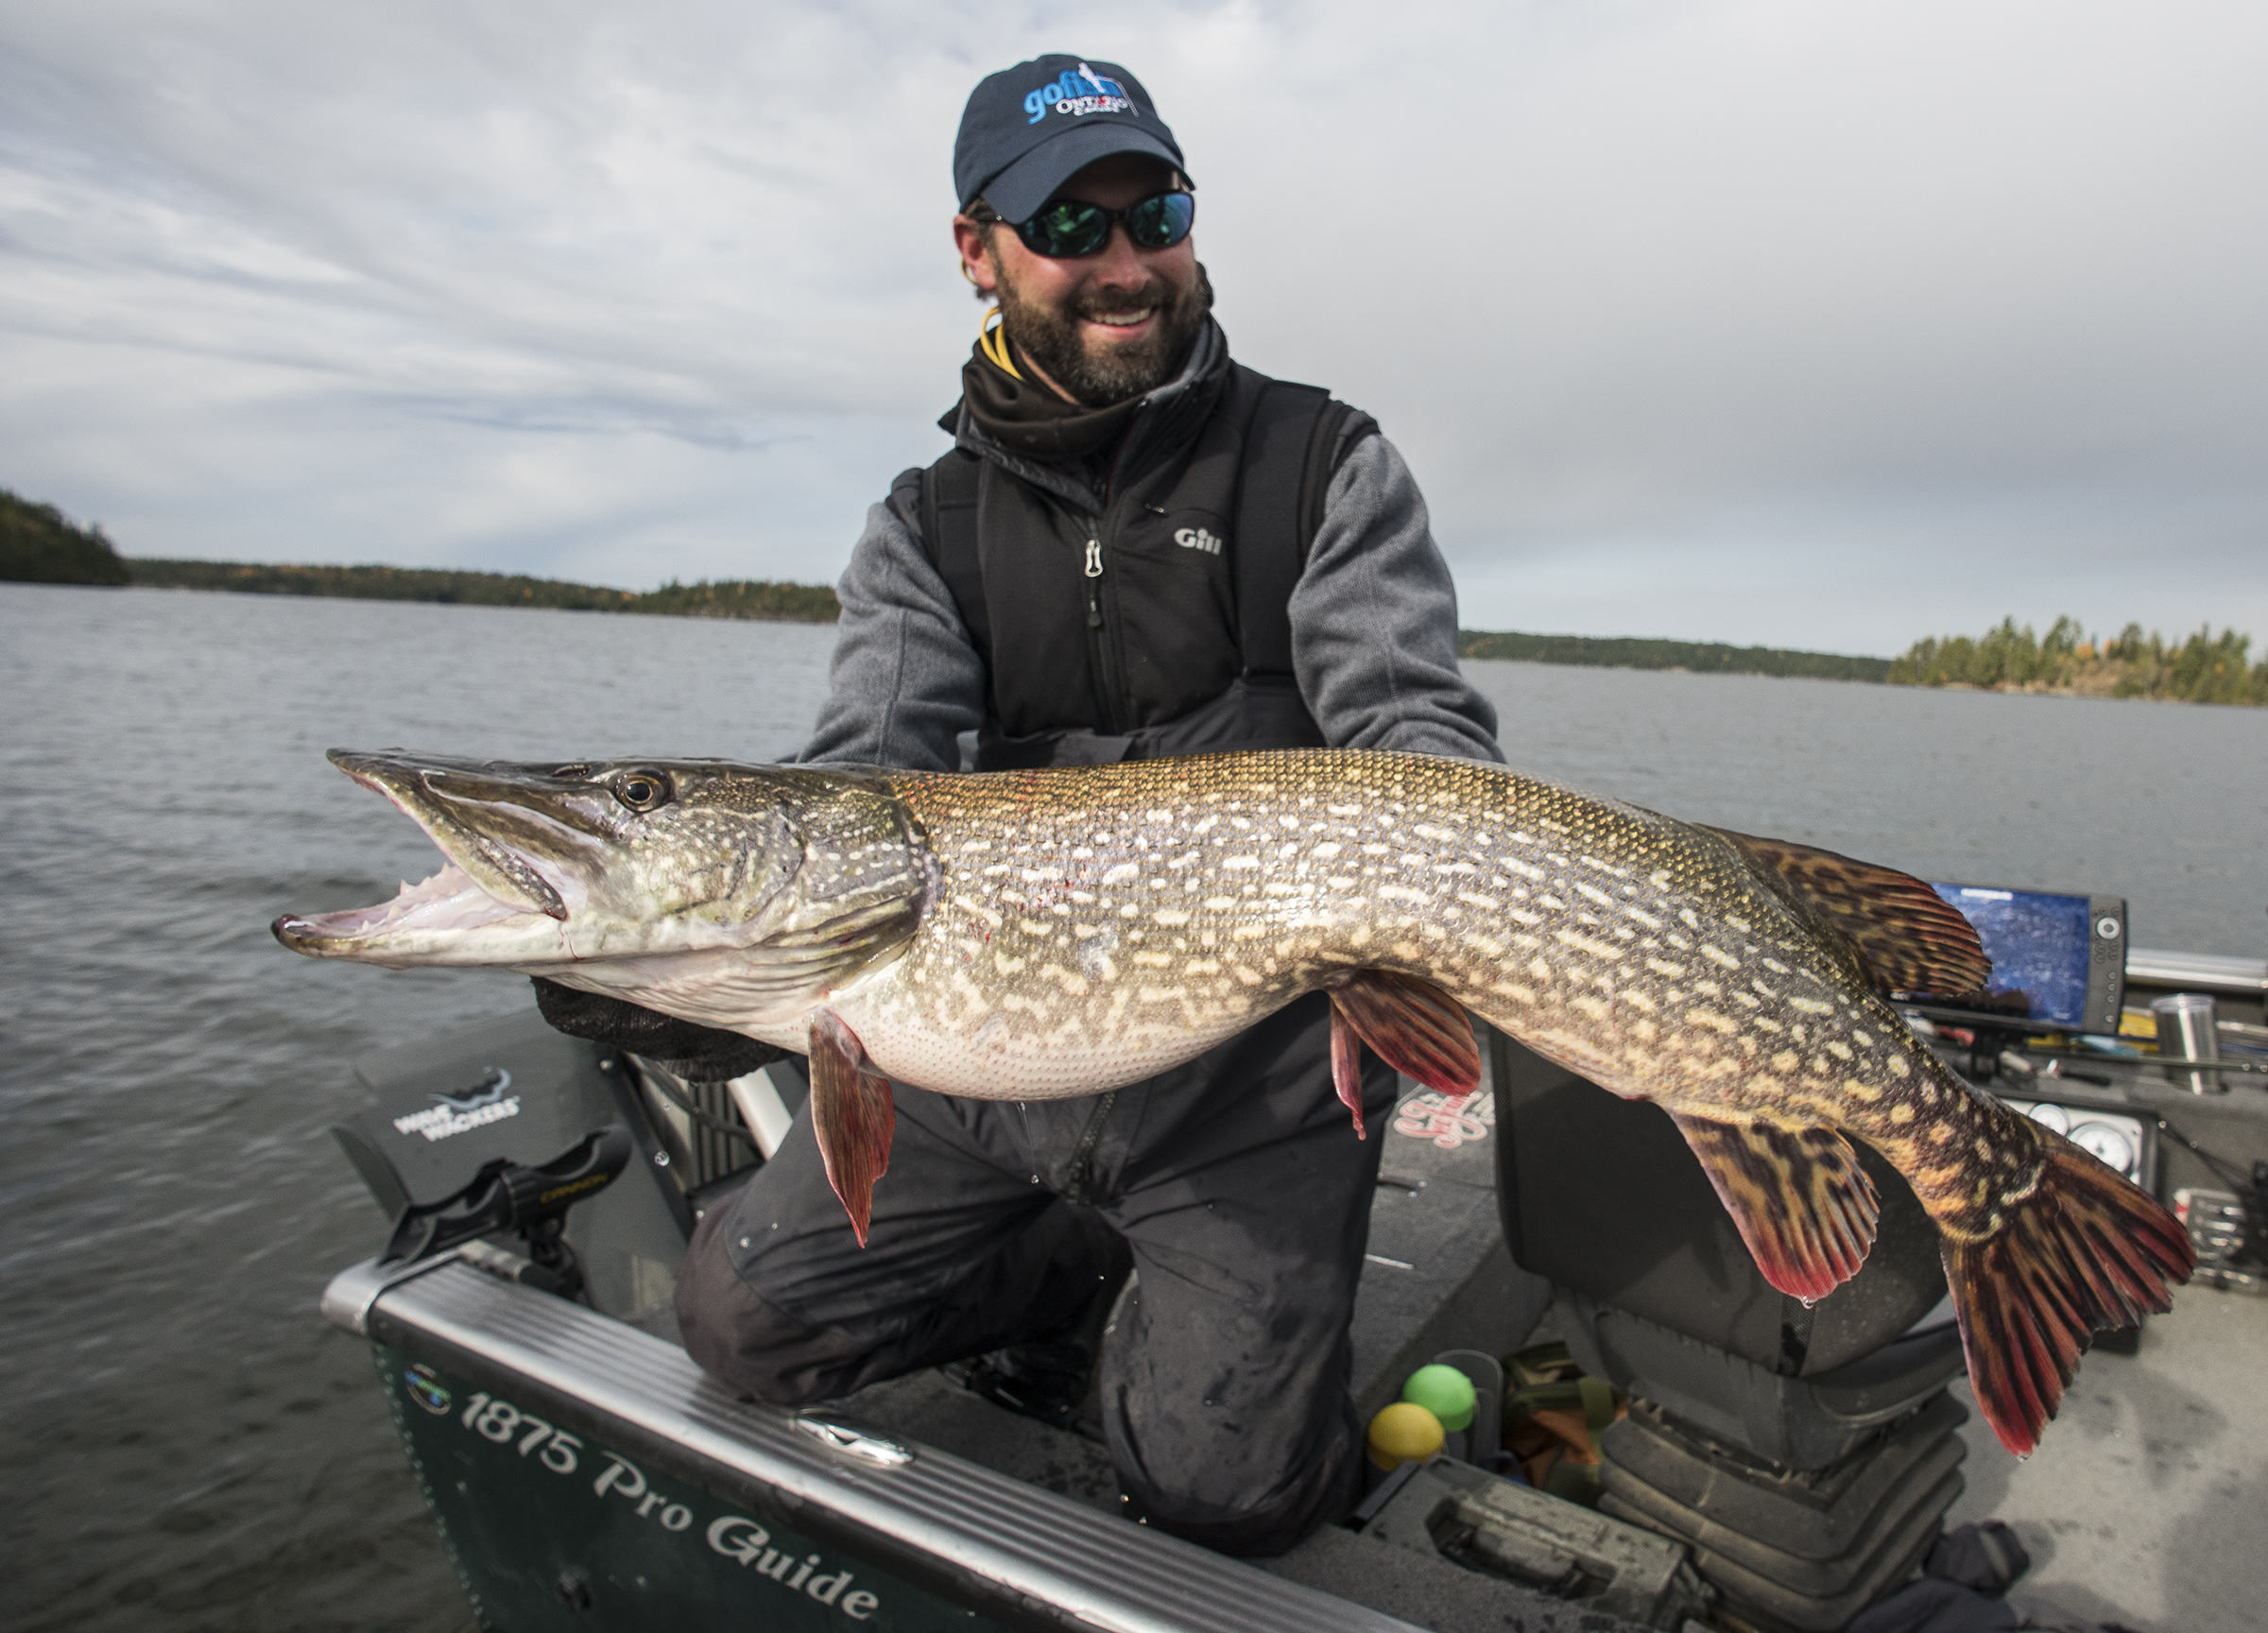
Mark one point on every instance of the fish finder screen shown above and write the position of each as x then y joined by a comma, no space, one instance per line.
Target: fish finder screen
2040,946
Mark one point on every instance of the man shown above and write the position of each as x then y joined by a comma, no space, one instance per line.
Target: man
1135,548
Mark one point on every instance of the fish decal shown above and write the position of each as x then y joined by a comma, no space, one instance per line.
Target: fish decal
487,1092
1044,934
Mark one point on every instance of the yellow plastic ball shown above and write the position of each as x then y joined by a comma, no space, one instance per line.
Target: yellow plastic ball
1401,1433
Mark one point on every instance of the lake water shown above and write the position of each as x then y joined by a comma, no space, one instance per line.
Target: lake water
187,1444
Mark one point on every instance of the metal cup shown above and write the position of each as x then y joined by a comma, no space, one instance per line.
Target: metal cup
2184,1027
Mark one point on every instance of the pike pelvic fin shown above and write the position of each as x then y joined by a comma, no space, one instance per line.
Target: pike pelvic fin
1347,1067
2086,1251
1909,937
1411,1024
1802,1203
851,1115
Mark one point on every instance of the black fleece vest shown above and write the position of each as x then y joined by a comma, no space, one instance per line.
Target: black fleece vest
1160,625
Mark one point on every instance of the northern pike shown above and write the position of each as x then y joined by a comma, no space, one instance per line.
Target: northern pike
1045,933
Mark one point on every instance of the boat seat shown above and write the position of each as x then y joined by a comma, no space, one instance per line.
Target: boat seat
1806,1456
1748,1408
1658,1295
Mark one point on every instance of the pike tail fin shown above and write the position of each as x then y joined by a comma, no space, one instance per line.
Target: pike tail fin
851,1115
1411,1024
2086,1251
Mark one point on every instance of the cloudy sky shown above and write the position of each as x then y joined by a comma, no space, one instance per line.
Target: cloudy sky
1815,325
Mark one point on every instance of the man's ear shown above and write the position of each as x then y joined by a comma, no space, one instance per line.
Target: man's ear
978,264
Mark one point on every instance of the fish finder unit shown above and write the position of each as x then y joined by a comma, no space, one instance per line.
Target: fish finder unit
2058,961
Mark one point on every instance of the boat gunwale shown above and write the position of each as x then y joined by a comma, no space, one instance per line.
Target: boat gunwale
940,1522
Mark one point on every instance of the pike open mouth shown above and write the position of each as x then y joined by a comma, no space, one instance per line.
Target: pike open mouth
447,902
483,881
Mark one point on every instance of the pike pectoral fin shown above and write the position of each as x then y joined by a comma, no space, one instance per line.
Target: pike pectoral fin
1415,1027
2085,1251
851,1115
1802,1203
1910,938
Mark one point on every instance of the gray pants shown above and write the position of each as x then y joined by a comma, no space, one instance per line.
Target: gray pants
1239,1185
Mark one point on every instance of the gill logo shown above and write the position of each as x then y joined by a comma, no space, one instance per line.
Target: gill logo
1077,92
1196,538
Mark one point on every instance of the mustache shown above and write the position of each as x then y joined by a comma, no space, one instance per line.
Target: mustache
1151,297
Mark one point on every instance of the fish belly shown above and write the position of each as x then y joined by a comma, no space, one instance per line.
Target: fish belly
957,1037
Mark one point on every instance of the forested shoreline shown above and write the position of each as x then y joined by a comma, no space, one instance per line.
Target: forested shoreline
40,544
1699,657
2205,668
724,598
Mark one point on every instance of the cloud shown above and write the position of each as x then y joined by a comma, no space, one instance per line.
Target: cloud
1816,326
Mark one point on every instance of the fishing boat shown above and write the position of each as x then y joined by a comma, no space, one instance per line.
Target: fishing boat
1778,1467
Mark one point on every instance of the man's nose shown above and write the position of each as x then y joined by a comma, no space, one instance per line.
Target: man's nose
1118,261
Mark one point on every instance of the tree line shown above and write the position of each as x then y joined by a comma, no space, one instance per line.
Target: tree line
2205,668
1701,657
723,599
40,544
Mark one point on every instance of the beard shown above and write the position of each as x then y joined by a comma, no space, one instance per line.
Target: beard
1110,372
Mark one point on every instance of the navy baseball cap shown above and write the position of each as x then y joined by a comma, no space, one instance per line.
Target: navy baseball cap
1029,129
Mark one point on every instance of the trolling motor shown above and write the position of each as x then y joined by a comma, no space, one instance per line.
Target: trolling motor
531,1200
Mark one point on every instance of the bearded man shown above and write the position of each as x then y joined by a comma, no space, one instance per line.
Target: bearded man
1136,547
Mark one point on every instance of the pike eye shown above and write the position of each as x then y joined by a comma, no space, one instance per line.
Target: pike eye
643,790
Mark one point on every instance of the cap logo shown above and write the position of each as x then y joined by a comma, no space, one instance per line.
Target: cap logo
1076,92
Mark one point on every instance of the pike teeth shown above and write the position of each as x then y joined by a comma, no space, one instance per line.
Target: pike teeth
448,900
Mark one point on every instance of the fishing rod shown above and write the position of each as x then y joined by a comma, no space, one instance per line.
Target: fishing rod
2221,1063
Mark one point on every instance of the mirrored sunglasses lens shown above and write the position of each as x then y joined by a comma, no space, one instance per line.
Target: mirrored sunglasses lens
1066,228
1163,221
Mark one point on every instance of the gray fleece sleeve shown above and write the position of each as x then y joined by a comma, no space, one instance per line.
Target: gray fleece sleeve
905,680
1374,621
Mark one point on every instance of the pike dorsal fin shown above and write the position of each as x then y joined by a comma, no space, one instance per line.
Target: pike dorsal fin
852,1116
1802,1203
1909,937
1411,1024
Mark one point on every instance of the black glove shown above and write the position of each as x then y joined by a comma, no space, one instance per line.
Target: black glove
695,1053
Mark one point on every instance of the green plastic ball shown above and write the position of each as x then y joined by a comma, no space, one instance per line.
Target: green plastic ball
1445,1392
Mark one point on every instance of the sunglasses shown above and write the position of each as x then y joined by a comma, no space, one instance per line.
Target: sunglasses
1067,229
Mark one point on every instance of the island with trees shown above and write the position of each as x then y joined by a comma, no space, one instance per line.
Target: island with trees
39,545
2205,668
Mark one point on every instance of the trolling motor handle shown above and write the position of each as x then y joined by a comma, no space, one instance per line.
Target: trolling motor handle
530,1199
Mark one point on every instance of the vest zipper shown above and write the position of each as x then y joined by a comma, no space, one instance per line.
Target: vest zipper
1081,1173
1115,708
